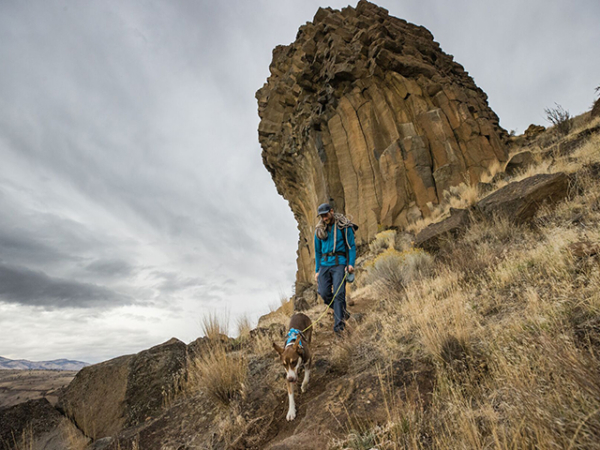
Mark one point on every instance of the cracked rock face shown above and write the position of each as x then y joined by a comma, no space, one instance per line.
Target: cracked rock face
365,111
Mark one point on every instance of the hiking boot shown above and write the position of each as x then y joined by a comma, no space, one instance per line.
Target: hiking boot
341,335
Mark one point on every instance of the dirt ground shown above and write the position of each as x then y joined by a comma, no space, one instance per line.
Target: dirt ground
17,386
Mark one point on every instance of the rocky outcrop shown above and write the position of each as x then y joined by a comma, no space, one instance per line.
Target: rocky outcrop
534,130
430,238
366,111
517,201
519,161
520,200
105,398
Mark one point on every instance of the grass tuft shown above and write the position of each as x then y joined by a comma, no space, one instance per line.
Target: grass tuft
219,374
214,325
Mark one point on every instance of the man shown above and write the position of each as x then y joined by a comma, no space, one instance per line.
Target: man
335,254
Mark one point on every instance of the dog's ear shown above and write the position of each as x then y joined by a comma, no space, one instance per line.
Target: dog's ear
296,344
277,348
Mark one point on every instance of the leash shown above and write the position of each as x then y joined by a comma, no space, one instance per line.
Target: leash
330,303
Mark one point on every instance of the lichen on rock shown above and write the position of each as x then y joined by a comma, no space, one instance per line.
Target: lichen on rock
366,111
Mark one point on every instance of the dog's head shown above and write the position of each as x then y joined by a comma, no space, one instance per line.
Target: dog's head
291,357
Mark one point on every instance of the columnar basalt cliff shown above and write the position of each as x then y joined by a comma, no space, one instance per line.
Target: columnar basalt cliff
366,111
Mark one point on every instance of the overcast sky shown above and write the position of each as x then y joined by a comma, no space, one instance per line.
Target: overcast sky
133,199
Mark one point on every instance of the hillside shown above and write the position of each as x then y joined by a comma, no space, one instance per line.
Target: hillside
18,386
57,364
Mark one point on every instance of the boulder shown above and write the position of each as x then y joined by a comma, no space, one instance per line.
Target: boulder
202,344
520,200
306,299
274,331
34,425
519,161
366,111
432,236
533,131
300,304
105,398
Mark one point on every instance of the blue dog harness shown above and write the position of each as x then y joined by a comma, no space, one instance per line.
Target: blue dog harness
294,335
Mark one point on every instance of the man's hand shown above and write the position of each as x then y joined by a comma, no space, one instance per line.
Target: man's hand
350,269
316,277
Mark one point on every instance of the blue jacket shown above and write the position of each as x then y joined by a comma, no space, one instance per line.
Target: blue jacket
326,246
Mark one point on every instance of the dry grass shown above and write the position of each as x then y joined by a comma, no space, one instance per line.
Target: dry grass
457,197
244,325
24,441
218,374
214,325
384,240
492,170
262,346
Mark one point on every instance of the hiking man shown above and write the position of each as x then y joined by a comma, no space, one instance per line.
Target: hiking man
335,254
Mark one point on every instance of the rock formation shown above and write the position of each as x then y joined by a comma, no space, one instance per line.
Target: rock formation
366,111
517,201
105,398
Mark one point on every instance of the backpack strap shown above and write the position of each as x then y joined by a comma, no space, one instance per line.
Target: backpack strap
334,229
347,246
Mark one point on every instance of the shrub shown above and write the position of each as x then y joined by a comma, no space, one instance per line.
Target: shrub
382,241
560,118
394,270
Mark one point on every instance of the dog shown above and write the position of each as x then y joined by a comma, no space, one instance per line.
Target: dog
295,354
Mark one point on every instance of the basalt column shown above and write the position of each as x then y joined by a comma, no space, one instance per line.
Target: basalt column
366,111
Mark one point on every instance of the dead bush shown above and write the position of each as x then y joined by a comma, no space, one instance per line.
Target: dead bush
559,118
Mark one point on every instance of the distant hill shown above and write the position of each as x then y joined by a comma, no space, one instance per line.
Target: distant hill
57,364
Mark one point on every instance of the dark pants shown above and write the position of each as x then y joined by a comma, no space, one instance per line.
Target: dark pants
330,279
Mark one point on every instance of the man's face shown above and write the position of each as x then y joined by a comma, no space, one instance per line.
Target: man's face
327,218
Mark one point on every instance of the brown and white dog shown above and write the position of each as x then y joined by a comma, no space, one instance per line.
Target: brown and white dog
294,355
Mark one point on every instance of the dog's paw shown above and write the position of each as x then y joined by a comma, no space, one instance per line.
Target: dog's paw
304,387
291,415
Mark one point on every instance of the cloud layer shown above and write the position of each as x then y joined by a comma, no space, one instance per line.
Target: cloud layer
132,193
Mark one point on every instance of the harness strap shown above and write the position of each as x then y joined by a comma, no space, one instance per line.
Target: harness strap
334,254
293,335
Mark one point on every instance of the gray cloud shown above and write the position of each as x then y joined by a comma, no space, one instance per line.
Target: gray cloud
171,282
23,286
110,268
131,171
